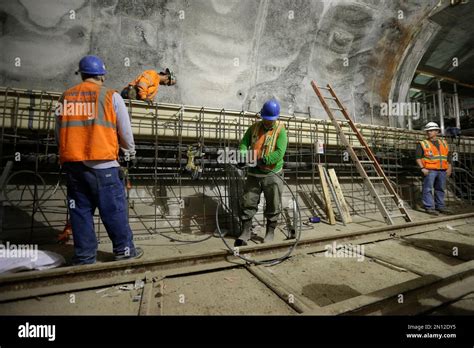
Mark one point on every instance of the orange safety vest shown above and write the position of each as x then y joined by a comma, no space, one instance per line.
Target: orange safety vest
432,159
263,142
87,124
147,84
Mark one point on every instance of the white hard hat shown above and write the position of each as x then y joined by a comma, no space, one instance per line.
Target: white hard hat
431,126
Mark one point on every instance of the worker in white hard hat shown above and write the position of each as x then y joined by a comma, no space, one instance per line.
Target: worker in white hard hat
433,158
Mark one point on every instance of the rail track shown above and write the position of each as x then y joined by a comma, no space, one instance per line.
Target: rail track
413,268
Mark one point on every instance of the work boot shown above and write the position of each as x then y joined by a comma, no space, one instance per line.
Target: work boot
443,210
245,235
270,234
431,212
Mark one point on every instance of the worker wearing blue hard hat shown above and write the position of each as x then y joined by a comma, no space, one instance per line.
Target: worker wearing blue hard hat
92,65
89,139
270,110
267,140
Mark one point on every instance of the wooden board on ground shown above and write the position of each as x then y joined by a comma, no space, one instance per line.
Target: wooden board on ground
327,196
340,196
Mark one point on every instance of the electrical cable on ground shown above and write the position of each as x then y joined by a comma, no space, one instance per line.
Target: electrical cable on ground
297,226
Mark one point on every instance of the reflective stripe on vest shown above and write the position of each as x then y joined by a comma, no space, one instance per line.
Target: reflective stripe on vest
432,159
263,142
87,124
99,120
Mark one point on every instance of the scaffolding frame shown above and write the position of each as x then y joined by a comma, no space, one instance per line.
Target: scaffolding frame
164,200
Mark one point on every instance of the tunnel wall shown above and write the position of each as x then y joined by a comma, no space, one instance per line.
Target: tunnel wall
226,54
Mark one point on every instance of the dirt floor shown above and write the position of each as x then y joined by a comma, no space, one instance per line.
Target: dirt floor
326,280
233,292
316,278
157,246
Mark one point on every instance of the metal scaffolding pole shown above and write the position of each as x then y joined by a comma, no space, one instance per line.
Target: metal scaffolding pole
441,107
425,111
456,107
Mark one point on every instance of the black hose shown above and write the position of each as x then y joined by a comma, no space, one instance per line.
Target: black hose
271,262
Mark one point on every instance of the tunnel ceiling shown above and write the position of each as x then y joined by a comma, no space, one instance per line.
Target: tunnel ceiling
455,39
232,54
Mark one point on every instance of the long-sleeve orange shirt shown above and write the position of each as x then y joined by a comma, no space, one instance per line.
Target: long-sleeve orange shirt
147,84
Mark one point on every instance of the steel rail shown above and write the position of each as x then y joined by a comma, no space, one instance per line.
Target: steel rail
60,280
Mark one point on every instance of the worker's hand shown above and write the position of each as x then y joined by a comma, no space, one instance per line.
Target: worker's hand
130,160
449,172
133,162
261,162
425,171
149,101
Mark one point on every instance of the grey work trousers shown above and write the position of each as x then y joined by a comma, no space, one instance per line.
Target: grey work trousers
272,186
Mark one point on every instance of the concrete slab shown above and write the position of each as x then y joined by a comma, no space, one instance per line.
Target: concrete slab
235,292
447,241
412,258
105,301
326,280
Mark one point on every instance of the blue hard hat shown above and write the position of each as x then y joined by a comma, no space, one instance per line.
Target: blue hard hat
92,65
270,110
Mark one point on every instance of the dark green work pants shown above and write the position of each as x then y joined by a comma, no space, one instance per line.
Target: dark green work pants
272,187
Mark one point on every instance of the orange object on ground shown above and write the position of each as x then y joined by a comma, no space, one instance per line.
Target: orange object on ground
66,234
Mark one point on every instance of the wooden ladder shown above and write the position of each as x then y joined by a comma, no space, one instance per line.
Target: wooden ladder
368,180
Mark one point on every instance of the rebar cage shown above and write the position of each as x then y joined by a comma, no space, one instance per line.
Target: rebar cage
179,180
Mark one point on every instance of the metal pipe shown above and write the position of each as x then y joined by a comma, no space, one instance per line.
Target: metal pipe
441,107
425,111
456,107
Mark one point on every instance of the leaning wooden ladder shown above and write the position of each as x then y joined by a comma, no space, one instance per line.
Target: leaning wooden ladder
368,180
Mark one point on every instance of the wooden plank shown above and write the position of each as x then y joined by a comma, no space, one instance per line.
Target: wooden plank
340,196
334,197
162,296
298,302
327,197
413,290
146,300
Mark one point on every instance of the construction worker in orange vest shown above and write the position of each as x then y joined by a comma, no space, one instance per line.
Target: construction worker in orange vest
267,140
433,158
89,119
146,85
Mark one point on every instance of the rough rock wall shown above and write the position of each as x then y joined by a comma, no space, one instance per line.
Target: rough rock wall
230,54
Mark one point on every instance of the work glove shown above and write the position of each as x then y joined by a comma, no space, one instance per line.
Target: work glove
133,162
149,101
130,160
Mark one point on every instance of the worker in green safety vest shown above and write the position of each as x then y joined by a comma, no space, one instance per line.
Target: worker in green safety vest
268,141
